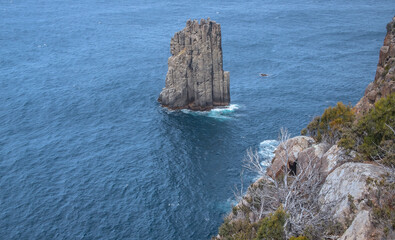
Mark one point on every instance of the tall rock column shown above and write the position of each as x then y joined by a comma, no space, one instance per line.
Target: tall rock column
195,78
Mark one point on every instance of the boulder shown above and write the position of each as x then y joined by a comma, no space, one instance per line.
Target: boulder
334,157
348,179
291,149
361,228
313,156
195,79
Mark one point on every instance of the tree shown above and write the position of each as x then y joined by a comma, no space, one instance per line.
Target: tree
295,193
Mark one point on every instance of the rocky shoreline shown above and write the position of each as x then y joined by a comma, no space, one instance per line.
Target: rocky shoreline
323,185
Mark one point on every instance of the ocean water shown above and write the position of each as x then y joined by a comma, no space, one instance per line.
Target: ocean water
86,152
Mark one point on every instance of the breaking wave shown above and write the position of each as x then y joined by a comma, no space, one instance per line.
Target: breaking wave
219,113
266,150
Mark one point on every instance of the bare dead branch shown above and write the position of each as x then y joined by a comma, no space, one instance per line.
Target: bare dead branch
390,128
296,193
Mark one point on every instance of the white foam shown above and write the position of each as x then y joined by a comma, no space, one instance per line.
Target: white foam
219,113
266,150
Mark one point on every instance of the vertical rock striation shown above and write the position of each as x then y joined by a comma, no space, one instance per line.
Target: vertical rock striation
384,81
195,77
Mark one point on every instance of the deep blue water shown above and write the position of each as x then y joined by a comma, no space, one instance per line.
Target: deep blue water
86,152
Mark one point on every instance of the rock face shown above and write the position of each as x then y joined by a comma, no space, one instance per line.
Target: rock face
346,192
360,227
195,77
303,151
334,157
348,179
345,195
384,82
312,155
291,149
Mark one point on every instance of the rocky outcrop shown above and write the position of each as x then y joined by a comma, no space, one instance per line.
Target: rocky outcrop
361,227
346,190
384,82
357,198
195,77
347,195
302,151
312,156
288,150
335,157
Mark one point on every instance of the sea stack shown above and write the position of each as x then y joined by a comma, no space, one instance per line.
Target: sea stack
195,78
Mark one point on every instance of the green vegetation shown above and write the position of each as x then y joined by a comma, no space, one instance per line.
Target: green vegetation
383,204
351,203
238,229
272,226
386,69
336,228
330,126
299,238
372,137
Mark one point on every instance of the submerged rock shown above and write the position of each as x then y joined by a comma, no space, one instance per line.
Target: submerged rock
195,79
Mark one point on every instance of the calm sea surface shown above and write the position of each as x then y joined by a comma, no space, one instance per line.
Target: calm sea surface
86,152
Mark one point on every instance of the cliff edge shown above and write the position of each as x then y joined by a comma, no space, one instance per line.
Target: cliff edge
336,183
384,81
195,79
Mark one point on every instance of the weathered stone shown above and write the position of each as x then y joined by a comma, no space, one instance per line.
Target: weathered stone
195,77
360,228
348,179
384,82
334,157
372,96
291,151
313,156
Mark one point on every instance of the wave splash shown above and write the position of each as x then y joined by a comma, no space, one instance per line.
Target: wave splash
219,113
266,150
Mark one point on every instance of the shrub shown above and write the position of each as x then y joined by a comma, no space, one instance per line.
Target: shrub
383,205
372,136
335,228
299,238
333,122
351,203
374,130
272,226
386,69
237,230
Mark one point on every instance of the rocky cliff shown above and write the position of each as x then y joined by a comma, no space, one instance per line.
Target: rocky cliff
195,77
384,81
321,188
